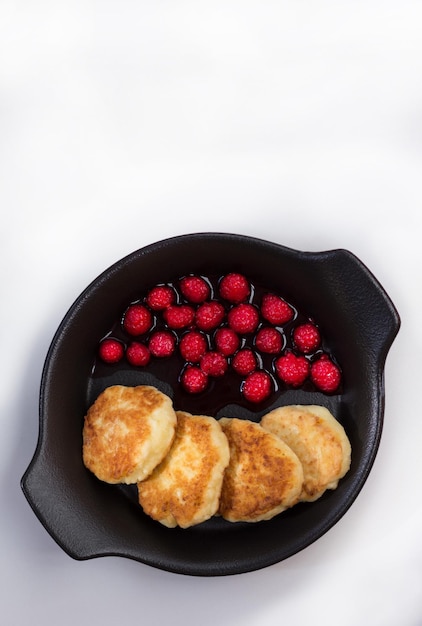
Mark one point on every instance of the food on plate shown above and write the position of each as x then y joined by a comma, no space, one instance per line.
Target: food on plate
269,340
138,354
257,387
213,364
319,441
193,345
306,337
193,379
209,315
184,490
264,476
244,362
127,432
162,344
160,297
243,318
189,468
111,350
325,374
137,319
234,287
195,289
179,316
276,310
226,341
225,324
292,369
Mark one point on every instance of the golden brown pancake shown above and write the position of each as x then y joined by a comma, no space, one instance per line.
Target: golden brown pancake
184,489
319,441
264,477
127,432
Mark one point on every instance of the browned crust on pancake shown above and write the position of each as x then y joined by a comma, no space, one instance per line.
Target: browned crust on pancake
116,426
263,477
184,489
319,441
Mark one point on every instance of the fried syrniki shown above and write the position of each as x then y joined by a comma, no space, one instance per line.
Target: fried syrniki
184,490
127,432
319,441
264,476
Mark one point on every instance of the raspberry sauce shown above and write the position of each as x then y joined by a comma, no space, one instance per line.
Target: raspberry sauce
166,371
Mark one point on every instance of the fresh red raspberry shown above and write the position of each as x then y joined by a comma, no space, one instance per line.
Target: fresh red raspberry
160,297
214,364
226,341
192,346
292,369
276,310
257,387
137,319
234,288
243,318
269,340
193,379
111,350
325,374
244,362
306,337
209,315
179,316
195,289
138,354
162,343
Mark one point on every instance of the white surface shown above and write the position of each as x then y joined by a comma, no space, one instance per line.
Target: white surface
122,123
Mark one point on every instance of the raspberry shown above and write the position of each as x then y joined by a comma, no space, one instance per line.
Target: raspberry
193,379
226,341
269,340
325,374
111,350
214,364
137,319
243,318
195,289
192,346
257,387
244,362
160,297
292,369
306,337
209,315
138,354
162,343
234,288
276,310
179,316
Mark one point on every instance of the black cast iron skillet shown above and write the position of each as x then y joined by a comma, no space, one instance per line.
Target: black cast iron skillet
88,518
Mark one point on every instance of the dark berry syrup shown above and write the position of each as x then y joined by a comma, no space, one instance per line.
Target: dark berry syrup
172,314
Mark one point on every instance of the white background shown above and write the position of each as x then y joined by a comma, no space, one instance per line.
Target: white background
122,123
